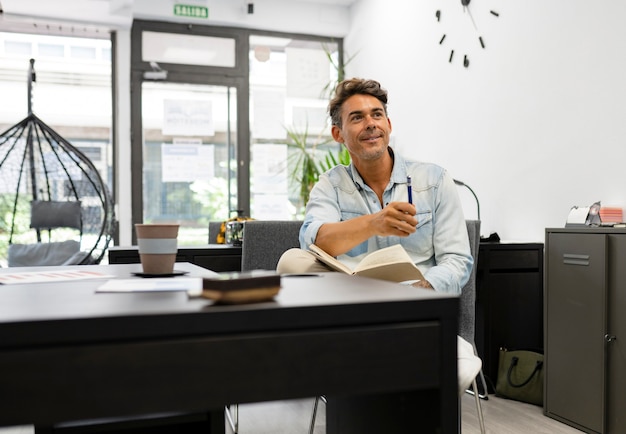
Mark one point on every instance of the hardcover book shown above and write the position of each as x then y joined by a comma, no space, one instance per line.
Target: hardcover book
241,287
391,263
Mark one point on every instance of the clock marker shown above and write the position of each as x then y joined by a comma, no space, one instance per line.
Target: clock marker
468,12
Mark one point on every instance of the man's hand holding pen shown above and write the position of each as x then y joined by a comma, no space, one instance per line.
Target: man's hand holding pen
397,219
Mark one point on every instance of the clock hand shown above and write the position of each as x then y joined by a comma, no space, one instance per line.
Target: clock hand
466,9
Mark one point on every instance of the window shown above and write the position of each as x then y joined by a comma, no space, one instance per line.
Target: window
71,94
290,83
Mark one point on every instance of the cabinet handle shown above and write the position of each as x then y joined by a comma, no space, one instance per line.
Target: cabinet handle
573,259
610,338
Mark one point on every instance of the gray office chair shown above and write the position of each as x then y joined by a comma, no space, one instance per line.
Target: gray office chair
264,241
214,229
467,313
467,321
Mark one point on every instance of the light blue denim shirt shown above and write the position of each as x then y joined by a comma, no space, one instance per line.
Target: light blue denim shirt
439,247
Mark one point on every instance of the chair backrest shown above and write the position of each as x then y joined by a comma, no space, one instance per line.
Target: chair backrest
214,229
264,241
467,303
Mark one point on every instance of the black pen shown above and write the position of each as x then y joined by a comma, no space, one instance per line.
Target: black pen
409,189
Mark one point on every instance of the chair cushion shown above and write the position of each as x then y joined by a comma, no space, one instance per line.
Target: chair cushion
47,214
29,255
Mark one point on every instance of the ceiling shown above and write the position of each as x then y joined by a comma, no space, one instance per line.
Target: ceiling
331,2
46,17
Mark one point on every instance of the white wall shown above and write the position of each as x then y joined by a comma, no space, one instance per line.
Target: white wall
535,125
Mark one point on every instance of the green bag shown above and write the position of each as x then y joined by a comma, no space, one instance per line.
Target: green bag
520,376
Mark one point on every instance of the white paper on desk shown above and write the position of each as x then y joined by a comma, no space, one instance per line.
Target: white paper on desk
578,215
191,285
50,276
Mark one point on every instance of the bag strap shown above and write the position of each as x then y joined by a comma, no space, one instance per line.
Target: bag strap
514,361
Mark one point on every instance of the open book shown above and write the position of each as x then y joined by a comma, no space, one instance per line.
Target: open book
391,263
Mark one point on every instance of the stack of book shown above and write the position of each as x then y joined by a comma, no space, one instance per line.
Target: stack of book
611,215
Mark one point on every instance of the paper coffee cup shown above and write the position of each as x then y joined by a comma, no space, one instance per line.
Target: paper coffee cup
158,245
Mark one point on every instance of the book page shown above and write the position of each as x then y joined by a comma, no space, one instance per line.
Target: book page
388,255
396,272
391,263
329,260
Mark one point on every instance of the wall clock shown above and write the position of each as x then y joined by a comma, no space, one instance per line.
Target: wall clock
461,21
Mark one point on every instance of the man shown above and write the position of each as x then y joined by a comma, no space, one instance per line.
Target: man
365,206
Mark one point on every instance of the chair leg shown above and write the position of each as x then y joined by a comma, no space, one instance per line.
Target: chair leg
483,383
317,401
233,419
312,427
479,408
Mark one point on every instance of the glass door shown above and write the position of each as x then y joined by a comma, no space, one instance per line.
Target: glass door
190,138
189,169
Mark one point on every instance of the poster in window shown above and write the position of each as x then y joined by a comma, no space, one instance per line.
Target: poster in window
187,163
188,118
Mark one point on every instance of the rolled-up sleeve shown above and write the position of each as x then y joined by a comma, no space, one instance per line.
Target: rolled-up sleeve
453,258
323,207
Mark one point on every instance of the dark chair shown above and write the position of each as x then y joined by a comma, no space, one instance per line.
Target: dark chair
214,230
264,241
467,320
467,314
40,169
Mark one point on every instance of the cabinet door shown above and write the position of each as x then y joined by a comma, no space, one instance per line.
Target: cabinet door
575,328
616,384
509,301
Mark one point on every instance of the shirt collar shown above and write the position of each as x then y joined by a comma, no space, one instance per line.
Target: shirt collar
398,173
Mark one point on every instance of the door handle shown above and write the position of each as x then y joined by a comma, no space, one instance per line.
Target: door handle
609,338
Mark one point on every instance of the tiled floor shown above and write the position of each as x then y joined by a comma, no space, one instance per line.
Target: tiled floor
502,416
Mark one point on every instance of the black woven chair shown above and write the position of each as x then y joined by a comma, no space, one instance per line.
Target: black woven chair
50,193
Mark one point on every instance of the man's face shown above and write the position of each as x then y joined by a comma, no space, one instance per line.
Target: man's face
365,127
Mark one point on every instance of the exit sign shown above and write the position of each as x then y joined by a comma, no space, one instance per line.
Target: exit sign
191,11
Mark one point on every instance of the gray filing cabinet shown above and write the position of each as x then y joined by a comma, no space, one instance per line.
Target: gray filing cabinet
585,328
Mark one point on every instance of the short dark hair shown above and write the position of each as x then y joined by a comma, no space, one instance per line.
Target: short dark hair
350,87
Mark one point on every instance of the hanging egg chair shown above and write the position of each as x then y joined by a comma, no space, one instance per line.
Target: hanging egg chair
55,208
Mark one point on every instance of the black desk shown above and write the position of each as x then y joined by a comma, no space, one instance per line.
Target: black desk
67,353
215,257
